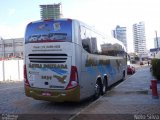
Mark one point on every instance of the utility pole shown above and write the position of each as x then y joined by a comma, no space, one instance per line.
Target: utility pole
3,66
157,41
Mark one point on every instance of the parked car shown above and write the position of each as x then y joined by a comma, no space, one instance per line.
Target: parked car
130,69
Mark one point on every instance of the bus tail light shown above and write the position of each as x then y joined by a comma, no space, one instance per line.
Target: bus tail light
73,78
26,82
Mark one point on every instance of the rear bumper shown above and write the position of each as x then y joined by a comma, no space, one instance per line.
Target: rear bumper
72,95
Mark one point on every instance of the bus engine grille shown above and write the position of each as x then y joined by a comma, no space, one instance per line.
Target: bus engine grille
48,58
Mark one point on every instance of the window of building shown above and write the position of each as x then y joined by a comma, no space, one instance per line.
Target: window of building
8,45
18,44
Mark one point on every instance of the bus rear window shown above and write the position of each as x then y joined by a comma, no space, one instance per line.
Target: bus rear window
51,31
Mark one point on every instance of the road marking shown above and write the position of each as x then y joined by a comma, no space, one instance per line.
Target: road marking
10,88
125,80
78,113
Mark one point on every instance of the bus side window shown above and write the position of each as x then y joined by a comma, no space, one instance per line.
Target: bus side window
86,47
85,40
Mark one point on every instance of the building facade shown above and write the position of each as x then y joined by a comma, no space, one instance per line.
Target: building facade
120,34
51,11
139,38
11,48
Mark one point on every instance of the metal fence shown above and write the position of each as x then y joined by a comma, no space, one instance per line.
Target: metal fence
11,70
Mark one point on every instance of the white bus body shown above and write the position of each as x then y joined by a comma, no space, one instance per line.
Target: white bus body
66,60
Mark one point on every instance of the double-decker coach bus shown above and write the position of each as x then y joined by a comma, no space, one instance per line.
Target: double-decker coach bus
67,60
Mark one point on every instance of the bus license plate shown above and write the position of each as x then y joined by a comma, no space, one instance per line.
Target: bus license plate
46,94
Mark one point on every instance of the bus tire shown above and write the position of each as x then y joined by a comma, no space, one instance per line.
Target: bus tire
104,86
97,90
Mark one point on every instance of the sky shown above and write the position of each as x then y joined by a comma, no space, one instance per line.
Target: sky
104,15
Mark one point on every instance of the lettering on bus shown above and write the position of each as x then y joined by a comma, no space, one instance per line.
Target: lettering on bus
49,36
47,46
62,66
118,62
91,62
61,79
46,77
51,46
104,62
94,62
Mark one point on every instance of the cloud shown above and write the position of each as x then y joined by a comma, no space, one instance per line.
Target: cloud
12,31
11,11
8,31
4,30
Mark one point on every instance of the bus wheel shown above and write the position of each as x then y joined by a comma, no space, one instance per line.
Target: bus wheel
104,86
97,90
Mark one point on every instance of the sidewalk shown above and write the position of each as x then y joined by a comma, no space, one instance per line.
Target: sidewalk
132,99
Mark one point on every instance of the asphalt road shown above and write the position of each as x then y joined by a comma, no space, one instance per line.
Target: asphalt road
14,103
